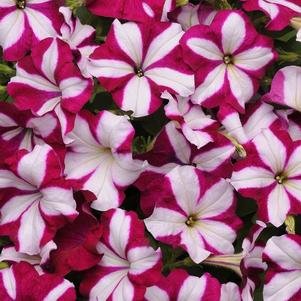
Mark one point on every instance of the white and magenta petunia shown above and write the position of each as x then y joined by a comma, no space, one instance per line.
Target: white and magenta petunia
197,127
283,278
132,10
23,23
195,212
36,200
22,130
99,158
271,175
47,80
180,286
127,262
138,62
229,57
190,15
280,12
80,38
22,282
285,88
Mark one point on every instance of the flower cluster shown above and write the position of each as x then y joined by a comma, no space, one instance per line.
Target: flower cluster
150,150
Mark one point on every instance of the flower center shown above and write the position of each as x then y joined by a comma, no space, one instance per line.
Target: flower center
228,59
191,220
139,72
280,178
21,4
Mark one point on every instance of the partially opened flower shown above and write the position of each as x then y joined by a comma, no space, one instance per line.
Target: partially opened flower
285,88
99,158
133,10
229,57
283,278
280,12
80,38
198,128
194,212
180,286
23,23
271,175
190,15
36,200
138,62
22,282
47,80
22,130
127,263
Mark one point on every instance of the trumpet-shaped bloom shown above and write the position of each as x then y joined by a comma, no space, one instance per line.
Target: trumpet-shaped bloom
279,12
22,282
198,128
229,58
196,215
285,88
36,200
99,157
283,279
271,175
23,23
138,62
47,80
128,264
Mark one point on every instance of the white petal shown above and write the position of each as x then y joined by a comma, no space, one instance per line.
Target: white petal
233,32
165,222
110,258
252,177
293,166
271,150
156,293
6,121
129,39
294,188
9,282
230,292
205,48
59,290
240,84
213,82
194,244
181,83
40,24
278,205
163,44
12,27
109,68
73,86
50,60
124,291
282,286
289,4
192,289
137,96
216,200
9,179
253,58
186,187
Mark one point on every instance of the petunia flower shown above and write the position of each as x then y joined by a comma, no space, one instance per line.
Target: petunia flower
23,23
132,10
271,175
280,12
80,38
22,130
99,158
22,282
127,263
36,200
47,80
138,62
180,286
195,213
197,127
283,279
285,88
190,15
229,58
